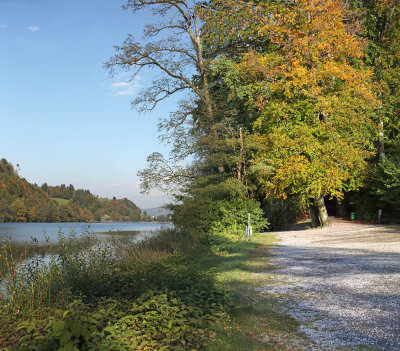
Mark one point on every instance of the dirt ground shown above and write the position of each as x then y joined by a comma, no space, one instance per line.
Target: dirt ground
341,283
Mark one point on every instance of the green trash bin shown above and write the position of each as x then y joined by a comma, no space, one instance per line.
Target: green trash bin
352,216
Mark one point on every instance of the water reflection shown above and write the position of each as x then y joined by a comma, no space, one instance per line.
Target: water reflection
23,232
21,242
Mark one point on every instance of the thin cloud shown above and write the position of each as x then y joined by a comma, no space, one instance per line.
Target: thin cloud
126,88
119,85
3,25
125,92
33,28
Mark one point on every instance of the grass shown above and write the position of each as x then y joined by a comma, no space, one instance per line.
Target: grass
254,322
61,202
102,199
359,348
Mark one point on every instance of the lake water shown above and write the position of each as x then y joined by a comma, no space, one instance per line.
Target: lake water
22,232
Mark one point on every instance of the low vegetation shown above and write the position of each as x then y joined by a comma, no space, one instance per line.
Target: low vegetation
87,297
171,292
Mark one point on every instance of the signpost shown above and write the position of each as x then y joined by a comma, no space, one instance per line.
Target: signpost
249,229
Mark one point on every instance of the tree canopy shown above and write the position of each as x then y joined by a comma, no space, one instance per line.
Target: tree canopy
292,100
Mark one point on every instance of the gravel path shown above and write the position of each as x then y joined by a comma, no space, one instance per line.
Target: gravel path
342,284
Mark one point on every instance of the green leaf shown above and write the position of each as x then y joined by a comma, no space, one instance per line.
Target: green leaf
65,336
76,328
66,313
85,332
58,328
69,346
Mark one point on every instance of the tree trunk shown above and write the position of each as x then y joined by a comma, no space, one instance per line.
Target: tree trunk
240,161
203,72
323,213
314,217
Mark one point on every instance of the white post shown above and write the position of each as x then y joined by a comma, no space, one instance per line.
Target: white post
379,216
249,225
247,233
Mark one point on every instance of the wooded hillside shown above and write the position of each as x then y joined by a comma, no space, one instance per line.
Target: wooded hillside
21,201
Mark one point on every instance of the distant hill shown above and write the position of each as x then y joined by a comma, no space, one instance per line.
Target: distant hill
21,201
157,211
87,207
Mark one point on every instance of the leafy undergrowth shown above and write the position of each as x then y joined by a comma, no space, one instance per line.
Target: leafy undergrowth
166,294
155,321
115,297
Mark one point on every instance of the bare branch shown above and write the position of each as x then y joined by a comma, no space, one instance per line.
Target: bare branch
155,55
159,91
163,175
178,57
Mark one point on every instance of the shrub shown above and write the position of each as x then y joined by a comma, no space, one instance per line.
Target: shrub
218,213
282,212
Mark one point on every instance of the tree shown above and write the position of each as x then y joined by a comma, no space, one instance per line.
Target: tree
302,73
382,29
4,210
19,210
381,32
177,56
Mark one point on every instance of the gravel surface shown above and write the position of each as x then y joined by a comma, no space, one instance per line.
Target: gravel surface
342,284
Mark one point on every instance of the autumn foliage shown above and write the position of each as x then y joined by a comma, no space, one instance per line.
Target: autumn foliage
21,201
303,75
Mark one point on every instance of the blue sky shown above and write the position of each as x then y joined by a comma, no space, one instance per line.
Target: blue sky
63,118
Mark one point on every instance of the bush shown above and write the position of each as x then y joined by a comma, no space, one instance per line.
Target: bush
218,213
282,212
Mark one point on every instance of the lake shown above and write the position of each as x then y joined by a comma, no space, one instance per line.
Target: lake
22,232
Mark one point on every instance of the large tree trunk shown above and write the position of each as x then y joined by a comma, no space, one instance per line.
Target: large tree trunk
314,217
323,213
206,94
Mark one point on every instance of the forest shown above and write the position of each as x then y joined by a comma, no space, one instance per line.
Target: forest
292,107
21,201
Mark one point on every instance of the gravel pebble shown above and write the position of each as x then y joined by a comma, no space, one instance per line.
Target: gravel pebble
341,283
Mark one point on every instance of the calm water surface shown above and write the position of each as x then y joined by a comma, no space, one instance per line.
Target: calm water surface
23,232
